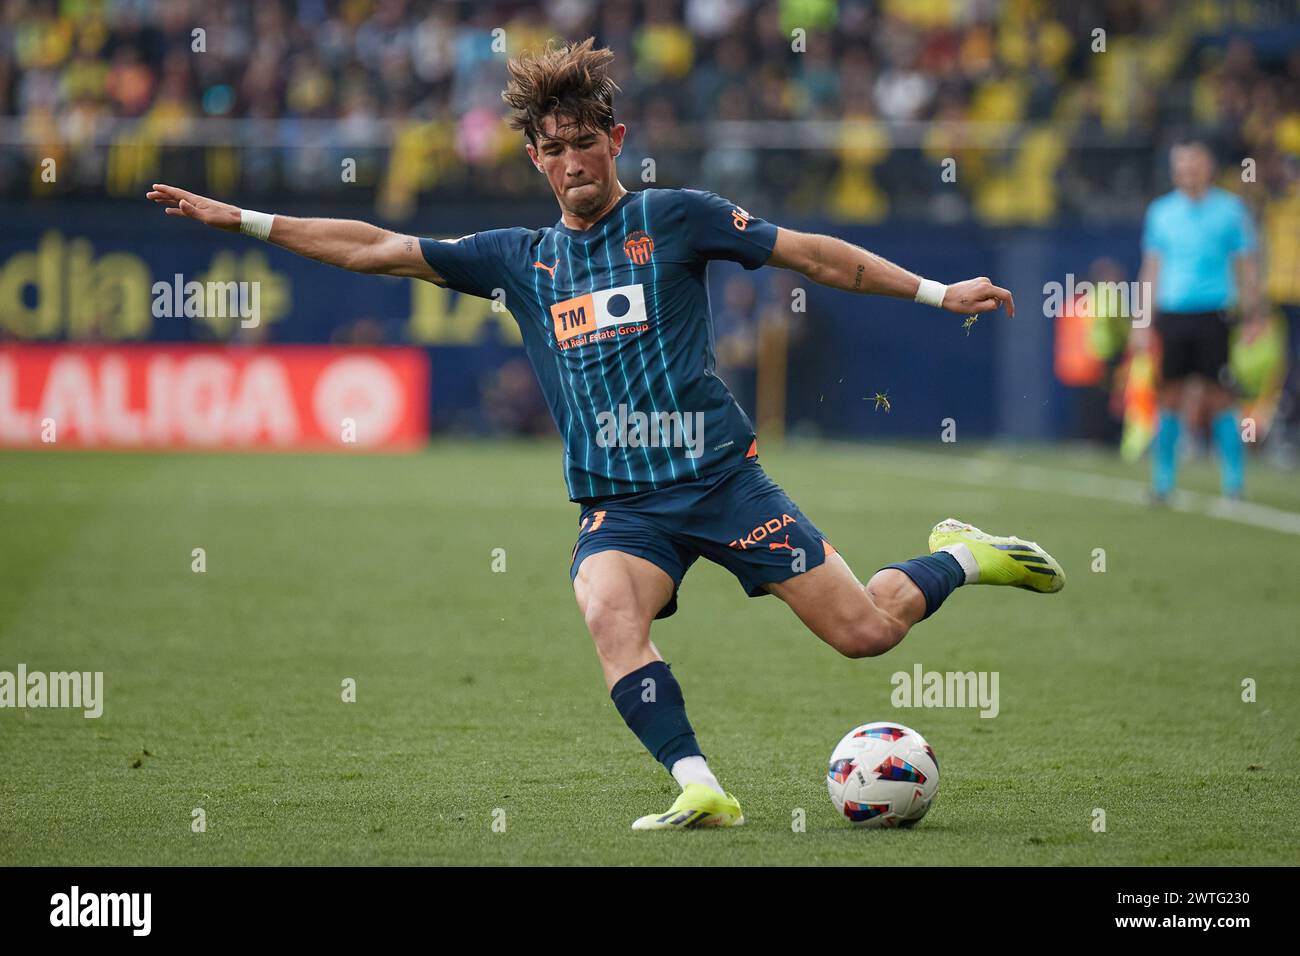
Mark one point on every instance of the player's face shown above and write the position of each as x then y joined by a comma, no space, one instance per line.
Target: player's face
578,163
1191,168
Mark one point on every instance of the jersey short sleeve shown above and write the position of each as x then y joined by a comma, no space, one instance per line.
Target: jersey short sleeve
719,229
471,264
1243,234
1152,234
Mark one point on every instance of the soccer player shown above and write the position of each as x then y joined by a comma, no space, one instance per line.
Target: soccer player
1198,248
613,306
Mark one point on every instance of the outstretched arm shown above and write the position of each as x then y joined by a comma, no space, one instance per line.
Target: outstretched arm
346,243
842,265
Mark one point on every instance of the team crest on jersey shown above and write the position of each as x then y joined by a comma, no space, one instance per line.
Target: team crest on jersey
639,246
599,316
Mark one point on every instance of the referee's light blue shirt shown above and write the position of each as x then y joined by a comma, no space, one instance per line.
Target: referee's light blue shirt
1198,242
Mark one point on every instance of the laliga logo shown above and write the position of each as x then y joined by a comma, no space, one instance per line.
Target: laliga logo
363,390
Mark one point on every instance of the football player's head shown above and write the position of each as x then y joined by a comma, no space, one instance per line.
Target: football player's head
1191,166
563,100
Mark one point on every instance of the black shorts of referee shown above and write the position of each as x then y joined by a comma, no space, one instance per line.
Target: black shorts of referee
1194,343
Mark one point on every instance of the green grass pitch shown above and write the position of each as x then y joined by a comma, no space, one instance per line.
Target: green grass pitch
479,691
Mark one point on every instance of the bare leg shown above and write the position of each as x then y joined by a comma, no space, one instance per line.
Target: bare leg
619,595
857,620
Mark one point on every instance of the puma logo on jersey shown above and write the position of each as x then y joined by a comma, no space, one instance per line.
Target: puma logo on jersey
550,269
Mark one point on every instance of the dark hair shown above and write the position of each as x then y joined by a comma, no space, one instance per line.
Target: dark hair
1186,140
572,81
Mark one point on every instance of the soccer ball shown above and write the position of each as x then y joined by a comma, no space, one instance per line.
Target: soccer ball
883,775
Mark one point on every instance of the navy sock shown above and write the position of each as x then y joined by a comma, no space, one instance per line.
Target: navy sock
937,575
650,700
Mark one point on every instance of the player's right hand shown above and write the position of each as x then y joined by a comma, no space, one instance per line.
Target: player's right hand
1141,339
977,295
181,202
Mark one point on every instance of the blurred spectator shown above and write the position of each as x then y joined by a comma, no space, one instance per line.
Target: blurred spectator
1091,338
735,327
1282,284
512,403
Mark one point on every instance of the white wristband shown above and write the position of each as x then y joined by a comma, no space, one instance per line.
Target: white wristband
931,293
255,224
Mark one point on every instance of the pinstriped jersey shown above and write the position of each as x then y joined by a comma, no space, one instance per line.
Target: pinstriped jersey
616,325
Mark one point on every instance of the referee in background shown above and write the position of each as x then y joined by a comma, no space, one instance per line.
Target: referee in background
1198,252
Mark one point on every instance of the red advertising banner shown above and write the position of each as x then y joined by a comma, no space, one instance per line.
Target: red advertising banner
197,396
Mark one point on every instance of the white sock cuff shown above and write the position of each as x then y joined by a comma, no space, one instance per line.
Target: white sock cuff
695,770
966,559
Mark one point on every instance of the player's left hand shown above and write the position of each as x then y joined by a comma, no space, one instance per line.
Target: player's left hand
182,202
977,295
1253,325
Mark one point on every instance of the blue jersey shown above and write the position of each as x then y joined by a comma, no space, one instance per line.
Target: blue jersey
615,321
1198,242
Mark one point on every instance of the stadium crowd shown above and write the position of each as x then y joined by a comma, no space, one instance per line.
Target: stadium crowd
1052,112
1049,109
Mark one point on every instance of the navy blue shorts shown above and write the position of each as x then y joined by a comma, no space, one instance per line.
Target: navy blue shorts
740,519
